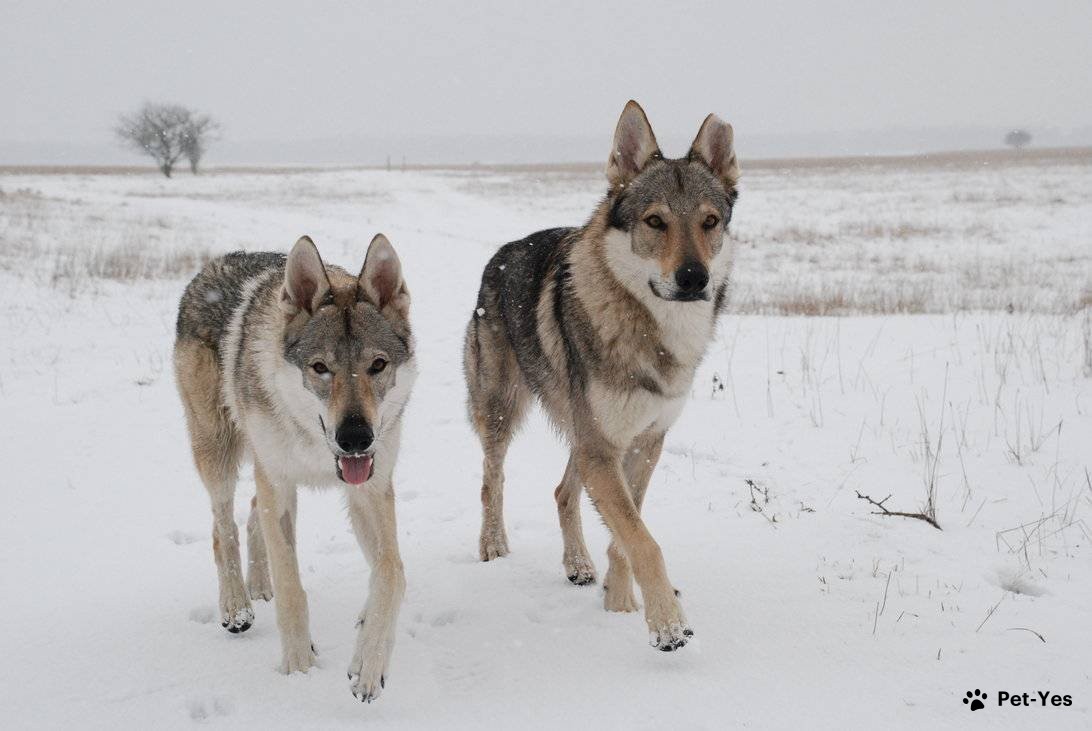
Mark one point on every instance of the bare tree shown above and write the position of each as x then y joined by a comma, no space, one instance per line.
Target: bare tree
167,133
200,132
1018,139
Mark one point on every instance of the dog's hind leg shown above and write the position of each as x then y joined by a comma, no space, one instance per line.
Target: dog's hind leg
498,403
258,583
216,452
578,566
638,464
498,421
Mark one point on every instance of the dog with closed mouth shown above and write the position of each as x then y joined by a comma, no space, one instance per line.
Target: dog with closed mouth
305,369
605,324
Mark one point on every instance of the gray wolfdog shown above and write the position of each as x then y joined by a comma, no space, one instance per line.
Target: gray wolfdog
306,369
606,325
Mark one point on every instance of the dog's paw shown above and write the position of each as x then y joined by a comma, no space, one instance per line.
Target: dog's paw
367,687
493,545
299,658
619,598
670,638
579,569
236,619
368,668
667,627
236,614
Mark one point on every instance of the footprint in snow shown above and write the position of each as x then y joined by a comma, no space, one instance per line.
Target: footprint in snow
443,619
212,706
184,538
1016,580
203,614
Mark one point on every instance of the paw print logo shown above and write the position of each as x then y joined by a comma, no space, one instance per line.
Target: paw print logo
975,700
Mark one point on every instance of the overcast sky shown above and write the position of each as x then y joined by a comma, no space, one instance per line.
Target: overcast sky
302,71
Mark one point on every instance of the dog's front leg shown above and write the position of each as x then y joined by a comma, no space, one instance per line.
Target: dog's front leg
637,465
600,466
277,514
371,510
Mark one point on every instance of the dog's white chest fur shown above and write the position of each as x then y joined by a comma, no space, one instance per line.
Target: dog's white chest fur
621,416
685,330
296,459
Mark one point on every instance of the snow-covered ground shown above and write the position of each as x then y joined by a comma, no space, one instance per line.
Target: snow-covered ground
809,610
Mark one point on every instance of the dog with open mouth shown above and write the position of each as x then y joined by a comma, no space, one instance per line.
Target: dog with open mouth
305,369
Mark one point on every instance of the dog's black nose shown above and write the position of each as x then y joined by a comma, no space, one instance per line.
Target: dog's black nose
354,435
691,277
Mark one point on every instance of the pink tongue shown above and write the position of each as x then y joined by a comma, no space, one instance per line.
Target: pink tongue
355,470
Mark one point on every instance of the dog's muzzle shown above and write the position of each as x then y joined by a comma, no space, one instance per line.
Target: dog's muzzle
354,437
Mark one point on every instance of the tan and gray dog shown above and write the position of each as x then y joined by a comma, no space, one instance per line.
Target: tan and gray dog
306,369
606,325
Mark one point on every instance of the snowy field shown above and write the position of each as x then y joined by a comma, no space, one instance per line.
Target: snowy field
958,372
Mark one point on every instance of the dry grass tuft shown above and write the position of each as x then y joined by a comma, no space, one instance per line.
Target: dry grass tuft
71,246
127,263
897,231
836,297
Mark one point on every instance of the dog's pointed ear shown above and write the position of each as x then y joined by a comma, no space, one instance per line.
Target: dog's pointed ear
305,282
714,146
634,145
381,278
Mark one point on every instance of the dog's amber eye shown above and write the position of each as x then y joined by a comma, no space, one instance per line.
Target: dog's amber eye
377,366
710,222
319,367
656,222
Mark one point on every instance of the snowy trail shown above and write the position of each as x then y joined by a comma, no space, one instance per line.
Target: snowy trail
808,612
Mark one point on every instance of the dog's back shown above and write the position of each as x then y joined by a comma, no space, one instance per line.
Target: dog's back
219,289
508,301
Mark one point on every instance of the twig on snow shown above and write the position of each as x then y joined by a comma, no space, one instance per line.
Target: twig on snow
1028,630
883,510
